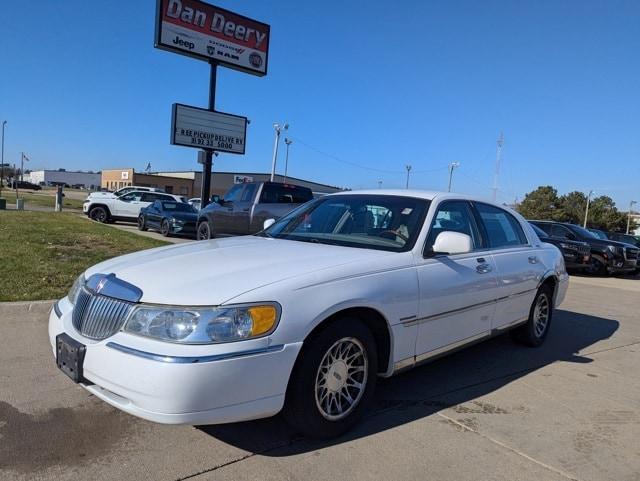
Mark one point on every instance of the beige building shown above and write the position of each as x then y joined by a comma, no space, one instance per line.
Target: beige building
188,183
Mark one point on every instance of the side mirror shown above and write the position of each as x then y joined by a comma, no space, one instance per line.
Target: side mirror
449,242
268,223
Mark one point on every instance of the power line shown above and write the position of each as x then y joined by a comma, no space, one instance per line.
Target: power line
360,166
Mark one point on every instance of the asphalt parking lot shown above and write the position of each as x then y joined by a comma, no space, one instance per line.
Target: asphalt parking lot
496,411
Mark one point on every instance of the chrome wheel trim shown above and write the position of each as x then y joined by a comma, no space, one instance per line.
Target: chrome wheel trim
341,378
141,222
165,228
541,313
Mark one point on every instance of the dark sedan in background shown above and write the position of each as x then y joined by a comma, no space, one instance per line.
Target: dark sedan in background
577,254
169,218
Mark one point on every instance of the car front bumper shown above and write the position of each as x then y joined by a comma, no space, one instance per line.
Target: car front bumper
230,383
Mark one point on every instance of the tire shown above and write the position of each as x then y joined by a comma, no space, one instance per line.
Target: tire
535,331
165,228
312,406
597,267
99,214
142,223
203,231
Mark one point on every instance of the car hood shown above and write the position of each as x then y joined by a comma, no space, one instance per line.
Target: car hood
102,195
604,243
186,216
213,272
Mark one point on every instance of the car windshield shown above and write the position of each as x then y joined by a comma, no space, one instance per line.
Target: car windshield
581,231
177,207
382,222
599,234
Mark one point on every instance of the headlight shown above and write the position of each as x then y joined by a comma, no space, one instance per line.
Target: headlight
198,325
75,289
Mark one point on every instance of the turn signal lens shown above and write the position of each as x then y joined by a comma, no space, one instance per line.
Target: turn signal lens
264,318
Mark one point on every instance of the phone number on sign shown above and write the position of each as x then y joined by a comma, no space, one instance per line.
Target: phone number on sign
211,143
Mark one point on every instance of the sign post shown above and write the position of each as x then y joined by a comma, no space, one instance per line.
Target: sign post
219,37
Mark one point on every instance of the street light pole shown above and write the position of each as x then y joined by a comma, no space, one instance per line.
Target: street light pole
408,167
452,166
629,215
4,122
278,129
586,212
288,142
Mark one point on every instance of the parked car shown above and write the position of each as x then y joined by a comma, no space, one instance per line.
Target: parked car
196,202
245,207
168,217
607,256
23,184
626,238
576,254
122,191
125,207
304,316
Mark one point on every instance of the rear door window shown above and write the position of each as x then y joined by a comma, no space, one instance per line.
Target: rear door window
285,194
503,230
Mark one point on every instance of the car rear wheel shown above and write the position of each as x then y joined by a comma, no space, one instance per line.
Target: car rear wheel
165,228
142,223
333,381
535,331
204,231
99,214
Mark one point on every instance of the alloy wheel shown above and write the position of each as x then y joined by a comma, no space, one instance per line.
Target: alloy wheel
341,378
541,315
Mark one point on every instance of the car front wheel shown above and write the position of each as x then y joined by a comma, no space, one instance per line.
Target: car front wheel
333,381
142,223
204,231
99,214
165,228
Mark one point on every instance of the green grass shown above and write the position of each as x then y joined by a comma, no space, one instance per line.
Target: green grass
44,199
42,253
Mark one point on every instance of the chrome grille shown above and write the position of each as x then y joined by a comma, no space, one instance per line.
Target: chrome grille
584,250
630,254
98,317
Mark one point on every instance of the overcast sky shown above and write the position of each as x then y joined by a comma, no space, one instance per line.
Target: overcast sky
367,87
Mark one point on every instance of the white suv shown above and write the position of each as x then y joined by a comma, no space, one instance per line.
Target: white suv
125,207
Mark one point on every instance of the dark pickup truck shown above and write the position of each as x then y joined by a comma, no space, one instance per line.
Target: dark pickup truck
245,207
607,256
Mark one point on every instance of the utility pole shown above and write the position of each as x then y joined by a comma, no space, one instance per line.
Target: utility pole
288,142
4,122
500,143
586,212
408,167
629,215
278,129
22,166
452,166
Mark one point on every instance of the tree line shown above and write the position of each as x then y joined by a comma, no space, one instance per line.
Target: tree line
544,203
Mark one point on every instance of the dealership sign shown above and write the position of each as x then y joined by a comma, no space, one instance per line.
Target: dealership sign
204,129
210,33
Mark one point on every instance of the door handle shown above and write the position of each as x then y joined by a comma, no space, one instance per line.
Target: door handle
533,260
245,210
483,268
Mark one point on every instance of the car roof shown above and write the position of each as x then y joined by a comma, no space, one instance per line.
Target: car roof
420,194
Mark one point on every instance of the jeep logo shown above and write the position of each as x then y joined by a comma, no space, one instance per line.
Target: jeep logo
184,43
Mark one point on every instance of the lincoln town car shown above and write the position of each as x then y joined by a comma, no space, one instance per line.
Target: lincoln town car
303,317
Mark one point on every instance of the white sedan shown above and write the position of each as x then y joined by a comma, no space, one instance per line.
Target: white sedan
304,316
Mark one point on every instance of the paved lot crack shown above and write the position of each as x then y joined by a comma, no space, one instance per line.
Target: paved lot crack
509,448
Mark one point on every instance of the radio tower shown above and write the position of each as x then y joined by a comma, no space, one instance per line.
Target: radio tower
500,143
